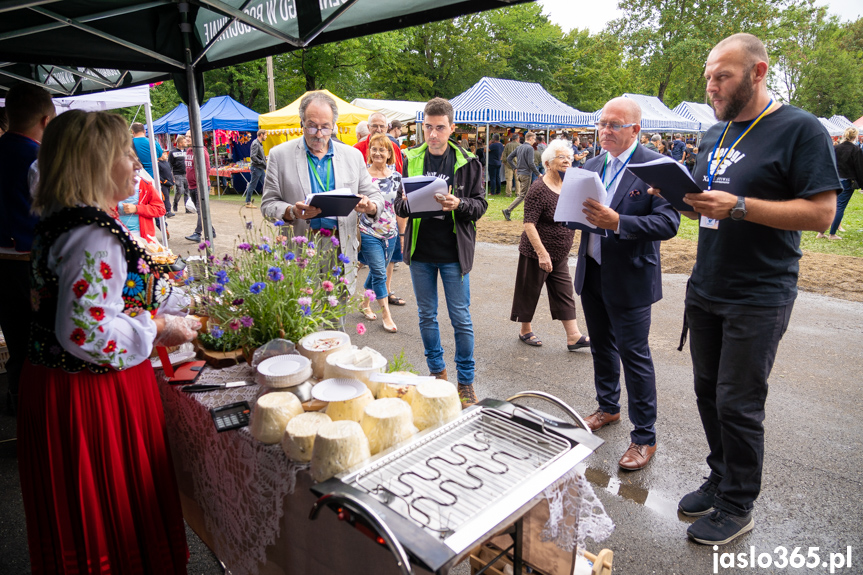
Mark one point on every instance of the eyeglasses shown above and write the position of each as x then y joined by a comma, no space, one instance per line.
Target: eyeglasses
312,130
563,158
378,126
614,127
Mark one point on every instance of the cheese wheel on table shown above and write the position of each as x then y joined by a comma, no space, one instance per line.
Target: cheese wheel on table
339,446
299,438
352,409
272,413
387,422
434,402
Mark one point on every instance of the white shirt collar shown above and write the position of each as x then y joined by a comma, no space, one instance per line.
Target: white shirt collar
626,152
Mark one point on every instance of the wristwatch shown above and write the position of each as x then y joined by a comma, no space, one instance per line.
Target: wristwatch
738,212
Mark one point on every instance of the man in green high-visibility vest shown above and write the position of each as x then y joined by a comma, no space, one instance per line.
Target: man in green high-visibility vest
444,244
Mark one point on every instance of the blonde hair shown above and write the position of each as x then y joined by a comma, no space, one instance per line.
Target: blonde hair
850,134
78,152
383,141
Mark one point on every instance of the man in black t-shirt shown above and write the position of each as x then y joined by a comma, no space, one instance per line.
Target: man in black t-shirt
762,186
444,245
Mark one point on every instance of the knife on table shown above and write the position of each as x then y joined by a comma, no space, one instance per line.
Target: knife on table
215,386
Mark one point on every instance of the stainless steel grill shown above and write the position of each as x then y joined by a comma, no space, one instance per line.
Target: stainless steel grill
438,496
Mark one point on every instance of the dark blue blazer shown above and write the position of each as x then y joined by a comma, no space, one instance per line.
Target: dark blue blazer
631,270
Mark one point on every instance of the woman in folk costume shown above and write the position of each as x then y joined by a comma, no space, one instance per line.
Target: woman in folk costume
97,478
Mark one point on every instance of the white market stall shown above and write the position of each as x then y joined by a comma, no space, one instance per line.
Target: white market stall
497,102
701,113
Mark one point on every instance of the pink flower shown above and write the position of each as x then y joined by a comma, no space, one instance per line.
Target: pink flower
308,291
333,301
235,324
328,286
370,294
343,280
304,301
311,253
361,329
299,239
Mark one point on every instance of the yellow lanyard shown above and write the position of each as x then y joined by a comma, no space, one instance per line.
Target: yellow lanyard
710,175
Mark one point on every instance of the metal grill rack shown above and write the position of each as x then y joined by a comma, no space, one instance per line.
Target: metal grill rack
461,469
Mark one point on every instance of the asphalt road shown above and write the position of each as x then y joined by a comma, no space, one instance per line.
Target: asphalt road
813,482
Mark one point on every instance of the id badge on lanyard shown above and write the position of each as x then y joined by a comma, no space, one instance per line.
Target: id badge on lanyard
710,223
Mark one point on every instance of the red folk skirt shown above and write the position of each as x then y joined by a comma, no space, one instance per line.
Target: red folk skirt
97,478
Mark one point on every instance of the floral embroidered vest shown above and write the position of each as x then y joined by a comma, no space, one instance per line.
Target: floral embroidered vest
143,291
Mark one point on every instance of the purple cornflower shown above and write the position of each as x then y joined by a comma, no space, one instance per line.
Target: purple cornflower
245,247
247,321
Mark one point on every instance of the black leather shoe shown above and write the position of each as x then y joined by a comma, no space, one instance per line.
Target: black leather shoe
720,528
699,502
194,238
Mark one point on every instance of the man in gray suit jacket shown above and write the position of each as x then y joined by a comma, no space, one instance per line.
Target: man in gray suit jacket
315,163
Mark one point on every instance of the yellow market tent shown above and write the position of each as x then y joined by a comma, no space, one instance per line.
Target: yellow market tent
284,124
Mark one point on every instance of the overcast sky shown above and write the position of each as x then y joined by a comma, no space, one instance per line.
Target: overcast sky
569,14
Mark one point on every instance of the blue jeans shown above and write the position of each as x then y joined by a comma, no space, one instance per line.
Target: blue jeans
377,253
456,289
841,202
494,179
258,174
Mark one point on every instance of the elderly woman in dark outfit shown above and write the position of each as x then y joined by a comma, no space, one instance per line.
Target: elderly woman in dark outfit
544,254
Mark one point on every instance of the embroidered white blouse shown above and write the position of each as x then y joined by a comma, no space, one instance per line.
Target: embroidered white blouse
91,323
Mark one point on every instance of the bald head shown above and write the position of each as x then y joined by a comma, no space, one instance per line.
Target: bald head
628,107
751,48
622,112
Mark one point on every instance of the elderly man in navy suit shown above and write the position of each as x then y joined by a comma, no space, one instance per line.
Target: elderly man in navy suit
618,278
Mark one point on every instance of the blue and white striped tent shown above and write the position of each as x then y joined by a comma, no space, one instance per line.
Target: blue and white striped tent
842,122
656,117
831,128
701,113
493,101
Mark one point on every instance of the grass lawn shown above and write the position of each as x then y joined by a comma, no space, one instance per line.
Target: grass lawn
850,245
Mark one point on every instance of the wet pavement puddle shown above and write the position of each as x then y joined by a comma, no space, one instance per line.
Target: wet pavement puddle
650,498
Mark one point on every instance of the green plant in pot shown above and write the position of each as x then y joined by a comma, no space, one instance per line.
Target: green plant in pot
273,287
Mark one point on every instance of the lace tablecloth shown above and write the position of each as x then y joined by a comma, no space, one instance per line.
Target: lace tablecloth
241,486
242,513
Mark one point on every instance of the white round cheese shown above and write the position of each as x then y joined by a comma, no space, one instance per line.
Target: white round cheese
339,446
434,402
317,346
272,413
352,409
387,422
299,438
399,390
354,363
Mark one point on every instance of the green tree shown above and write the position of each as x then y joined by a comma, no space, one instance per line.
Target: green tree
527,47
667,41
593,72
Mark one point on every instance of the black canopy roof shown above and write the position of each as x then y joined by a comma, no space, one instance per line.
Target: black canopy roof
79,46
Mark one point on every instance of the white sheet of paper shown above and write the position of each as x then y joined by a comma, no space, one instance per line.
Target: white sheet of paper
423,199
578,186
